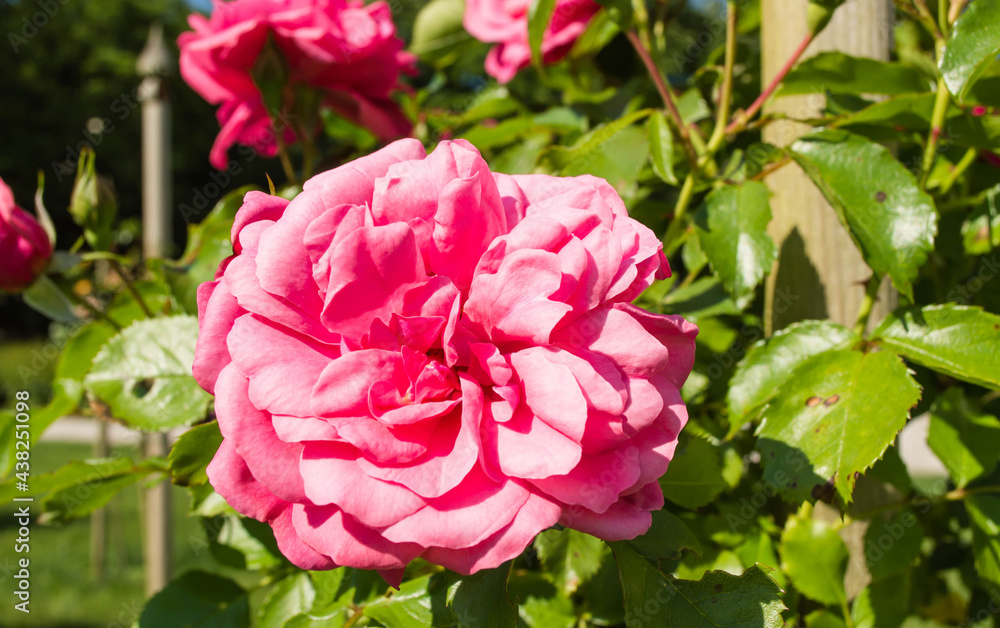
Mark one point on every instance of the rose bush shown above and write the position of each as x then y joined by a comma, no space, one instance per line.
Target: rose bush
506,24
25,248
346,50
419,357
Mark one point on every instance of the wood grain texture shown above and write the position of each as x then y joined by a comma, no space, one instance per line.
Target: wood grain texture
819,273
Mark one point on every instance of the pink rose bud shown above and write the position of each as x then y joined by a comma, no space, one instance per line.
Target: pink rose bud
506,23
24,246
419,357
979,111
344,49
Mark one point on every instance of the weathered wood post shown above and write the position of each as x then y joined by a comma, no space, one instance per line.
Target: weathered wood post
154,64
820,273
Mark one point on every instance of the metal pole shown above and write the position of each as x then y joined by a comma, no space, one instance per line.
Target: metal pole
154,64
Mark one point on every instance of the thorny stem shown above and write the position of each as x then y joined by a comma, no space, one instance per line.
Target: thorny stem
131,288
668,99
867,304
741,121
941,103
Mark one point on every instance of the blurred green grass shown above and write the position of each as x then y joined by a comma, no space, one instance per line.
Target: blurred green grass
24,365
63,590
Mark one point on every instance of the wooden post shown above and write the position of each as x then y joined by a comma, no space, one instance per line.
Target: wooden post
154,64
819,273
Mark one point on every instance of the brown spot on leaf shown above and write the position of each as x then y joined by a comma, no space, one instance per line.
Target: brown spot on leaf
823,492
717,588
832,399
812,402
880,196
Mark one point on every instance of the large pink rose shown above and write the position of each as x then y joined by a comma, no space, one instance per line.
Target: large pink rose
24,246
505,22
344,48
419,357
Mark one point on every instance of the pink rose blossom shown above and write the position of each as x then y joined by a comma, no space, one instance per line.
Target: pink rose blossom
505,22
344,48
419,357
24,246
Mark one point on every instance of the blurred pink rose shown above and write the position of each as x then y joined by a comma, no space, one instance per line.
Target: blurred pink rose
343,47
505,22
419,357
24,246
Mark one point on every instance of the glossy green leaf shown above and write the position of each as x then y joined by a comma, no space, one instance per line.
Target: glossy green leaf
46,298
198,598
288,598
666,538
481,601
615,152
732,229
242,543
891,220
341,590
769,364
569,556
410,606
192,452
954,339
890,546
661,147
79,500
984,513
972,47
819,429
694,476
73,473
144,374
815,559
965,440
884,603
981,229
839,72
717,600
704,298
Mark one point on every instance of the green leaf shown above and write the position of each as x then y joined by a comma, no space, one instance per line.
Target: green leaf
409,607
438,28
884,603
954,339
241,542
891,220
981,229
824,619
480,600
694,476
661,147
144,374
80,499
570,557
717,600
615,151
198,598
820,428
78,353
666,538
732,229
965,440
815,559
620,11
704,298
208,244
839,72
288,598
340,590
46,298
972,47
539,16
984,513
192,452
768,365
891,546
77,473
